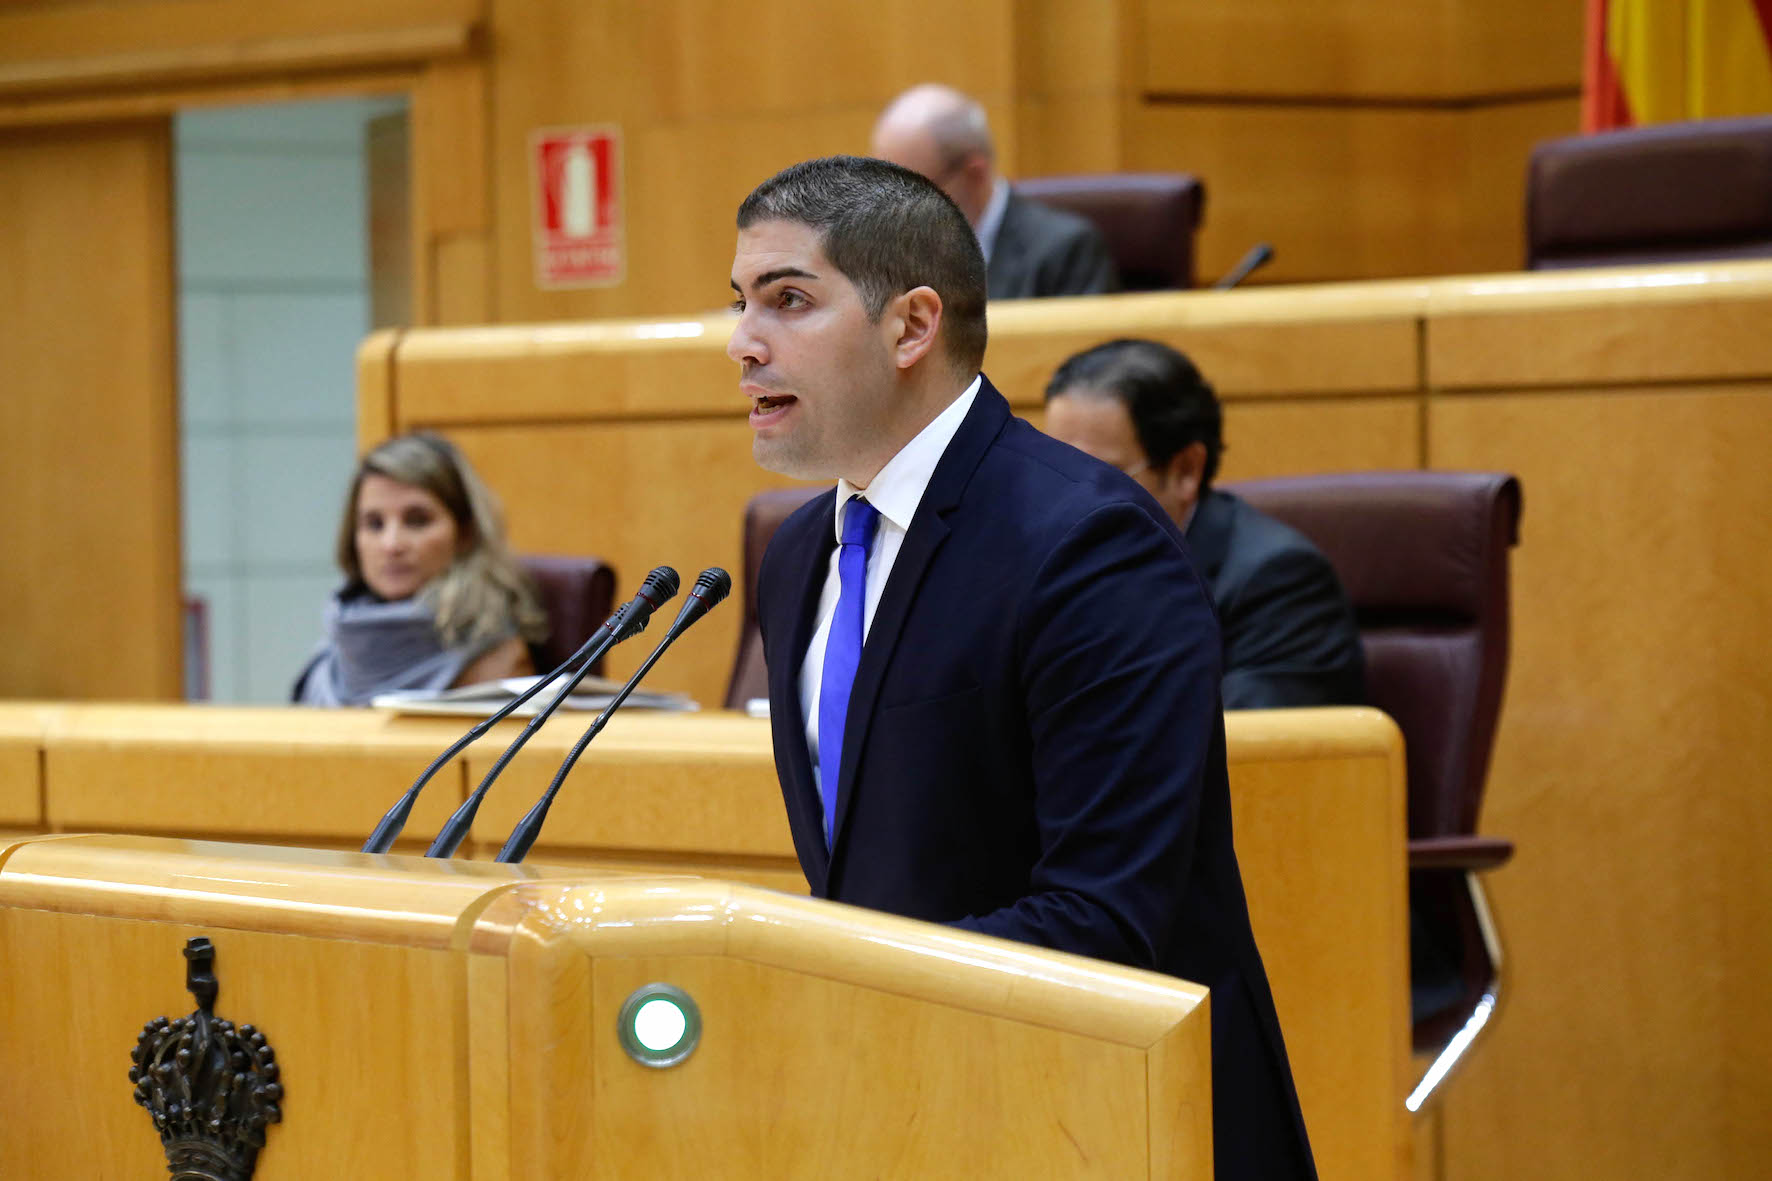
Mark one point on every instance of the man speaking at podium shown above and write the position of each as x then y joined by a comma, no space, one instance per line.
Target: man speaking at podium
993,674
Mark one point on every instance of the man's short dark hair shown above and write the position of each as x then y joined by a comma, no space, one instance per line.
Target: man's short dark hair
1169,403
888,229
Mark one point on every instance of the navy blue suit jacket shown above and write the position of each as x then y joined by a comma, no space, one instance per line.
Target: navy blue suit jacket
1035,746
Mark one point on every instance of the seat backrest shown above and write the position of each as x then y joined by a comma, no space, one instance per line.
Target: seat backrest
1424,559
1673,192
762,516
578,594
1148,219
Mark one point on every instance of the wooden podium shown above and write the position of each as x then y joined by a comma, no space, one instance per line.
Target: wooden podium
462,1020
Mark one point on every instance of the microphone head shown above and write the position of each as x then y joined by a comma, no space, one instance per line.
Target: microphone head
654,592
711,585
658,588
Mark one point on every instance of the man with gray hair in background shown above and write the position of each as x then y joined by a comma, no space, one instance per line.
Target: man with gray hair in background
1029,249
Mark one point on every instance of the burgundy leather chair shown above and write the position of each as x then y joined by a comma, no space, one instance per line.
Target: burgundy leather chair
1148,219
1674,192
578,594
762,516
1424,559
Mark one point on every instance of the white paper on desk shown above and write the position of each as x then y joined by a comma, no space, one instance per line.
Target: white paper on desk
478,700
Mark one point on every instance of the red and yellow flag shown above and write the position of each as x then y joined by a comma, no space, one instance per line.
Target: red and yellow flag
1656,61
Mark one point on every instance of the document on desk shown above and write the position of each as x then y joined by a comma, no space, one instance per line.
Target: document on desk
478,700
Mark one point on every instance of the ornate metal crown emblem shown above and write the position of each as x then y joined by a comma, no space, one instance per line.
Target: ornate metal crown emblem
212,1087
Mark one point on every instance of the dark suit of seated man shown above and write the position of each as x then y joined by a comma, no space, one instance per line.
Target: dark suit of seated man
1030,249
993,675
1290,637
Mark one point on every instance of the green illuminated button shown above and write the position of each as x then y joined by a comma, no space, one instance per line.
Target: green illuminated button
659,1025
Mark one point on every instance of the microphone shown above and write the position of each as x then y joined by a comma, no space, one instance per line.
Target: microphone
659,586
1259,255
628,620
710,587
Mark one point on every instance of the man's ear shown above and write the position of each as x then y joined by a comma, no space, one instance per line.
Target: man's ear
916,319
1186,470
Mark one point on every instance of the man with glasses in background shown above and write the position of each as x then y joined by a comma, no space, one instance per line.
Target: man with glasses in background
1290,637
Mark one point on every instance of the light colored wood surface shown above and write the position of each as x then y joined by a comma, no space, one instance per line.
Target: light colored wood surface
265,772
349,1021
381,1059
1353,49
561,418
1335,983
1317,796
1344,191
89,588
1418,105
1630,770
1630,403
181,33
1602,327
21,765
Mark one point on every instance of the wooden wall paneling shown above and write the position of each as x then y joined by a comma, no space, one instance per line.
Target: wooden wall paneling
71,45
1353,192
654,784
569,489
376,418
1340,191
21,765
109,106
1074,67
1682,323
1629,769
88,420
1329,340
1490,184
452,217
388,166
243,772
1360,48
703,122
571,373
1295,438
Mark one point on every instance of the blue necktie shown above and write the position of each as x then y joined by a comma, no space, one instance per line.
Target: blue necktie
842,651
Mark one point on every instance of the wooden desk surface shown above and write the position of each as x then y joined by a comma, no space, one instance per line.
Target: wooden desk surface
1317,796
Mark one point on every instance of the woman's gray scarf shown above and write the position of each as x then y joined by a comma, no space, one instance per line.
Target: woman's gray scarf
376,647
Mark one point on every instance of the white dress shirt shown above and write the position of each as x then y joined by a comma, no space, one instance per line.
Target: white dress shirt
992,219
895,492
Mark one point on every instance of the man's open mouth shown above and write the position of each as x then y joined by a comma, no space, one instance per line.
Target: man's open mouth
772,402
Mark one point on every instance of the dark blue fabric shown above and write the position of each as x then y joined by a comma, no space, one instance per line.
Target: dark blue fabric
1034,745
842,651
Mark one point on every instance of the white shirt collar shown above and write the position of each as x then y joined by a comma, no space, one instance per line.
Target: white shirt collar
899,488
992,220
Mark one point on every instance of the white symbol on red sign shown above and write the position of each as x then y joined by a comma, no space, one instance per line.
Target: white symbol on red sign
578,217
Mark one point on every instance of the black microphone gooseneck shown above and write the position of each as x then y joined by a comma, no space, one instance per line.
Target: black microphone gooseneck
710,587
658,588
1258,255
388,830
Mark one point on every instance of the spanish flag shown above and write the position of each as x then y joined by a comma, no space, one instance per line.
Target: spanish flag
1657,61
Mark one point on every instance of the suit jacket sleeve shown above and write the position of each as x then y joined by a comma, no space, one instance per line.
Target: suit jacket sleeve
1120,672
1290,637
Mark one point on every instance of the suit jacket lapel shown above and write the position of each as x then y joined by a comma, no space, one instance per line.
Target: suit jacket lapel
812,560
928,530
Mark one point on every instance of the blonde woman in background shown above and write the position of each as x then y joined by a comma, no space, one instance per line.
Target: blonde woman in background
432,597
